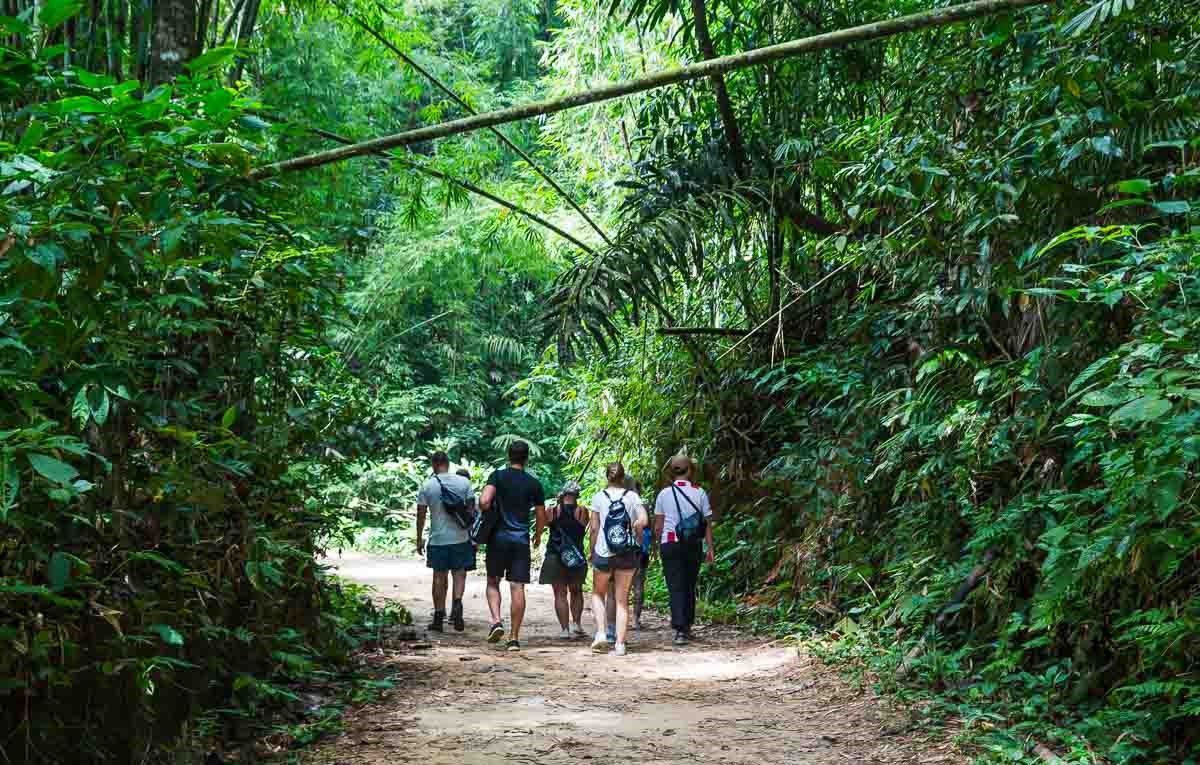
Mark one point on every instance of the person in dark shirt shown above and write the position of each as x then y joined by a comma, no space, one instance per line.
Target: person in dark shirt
513,493
569,521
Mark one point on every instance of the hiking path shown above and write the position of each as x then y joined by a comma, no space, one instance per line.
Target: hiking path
726,698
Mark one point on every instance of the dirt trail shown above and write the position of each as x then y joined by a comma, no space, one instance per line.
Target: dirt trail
727,698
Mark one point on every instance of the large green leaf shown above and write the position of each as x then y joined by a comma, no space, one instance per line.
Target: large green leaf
1111,396
52,469
55,12
1144,409
169,634
59,571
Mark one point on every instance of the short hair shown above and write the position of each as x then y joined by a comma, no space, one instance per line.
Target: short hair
518,452
464,473
439,458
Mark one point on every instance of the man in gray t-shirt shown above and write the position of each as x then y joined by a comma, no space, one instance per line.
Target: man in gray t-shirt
449,550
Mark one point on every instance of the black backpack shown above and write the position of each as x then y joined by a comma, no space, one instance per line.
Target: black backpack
460,509
568,554
483,524
618,527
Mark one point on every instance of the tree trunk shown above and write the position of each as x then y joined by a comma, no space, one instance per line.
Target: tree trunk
115,30
139,37
830,40
173,34
245,30
230,22
202,19
724,105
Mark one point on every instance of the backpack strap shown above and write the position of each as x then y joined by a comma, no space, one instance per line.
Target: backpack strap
678,493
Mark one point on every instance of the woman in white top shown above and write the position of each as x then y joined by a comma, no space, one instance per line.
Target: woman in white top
614,567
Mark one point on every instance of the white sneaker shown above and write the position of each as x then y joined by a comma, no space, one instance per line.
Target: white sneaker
600,644
565,634
578,631
619,649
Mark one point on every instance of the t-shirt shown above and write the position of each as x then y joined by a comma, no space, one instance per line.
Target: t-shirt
517,493
670,504
443,529
600,503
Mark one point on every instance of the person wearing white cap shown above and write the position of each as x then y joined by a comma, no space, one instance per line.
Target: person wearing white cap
681,524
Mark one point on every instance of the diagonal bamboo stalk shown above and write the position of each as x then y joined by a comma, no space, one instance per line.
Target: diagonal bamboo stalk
465,185
841,38
471,110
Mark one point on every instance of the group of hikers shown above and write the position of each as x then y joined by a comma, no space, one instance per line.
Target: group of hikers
620,531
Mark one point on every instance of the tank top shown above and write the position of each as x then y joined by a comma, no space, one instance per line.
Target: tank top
570,527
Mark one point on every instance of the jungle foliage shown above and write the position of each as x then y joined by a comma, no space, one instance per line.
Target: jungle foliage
194,367
925,309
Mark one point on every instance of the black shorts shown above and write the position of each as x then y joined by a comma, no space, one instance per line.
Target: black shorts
508,561
459,557
629,560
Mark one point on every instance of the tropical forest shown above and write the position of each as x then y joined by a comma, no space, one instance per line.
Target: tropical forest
910,287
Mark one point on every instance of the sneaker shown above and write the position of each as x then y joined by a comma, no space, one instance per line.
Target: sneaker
578,631
512,646
619,649
565,634
456,616
599,645
680,638
496,632
439,618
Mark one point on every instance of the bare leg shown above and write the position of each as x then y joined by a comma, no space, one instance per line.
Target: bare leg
599,590
460,583
516,608
560,604
440,581
639,596
610,609
576,592
624,577
493,598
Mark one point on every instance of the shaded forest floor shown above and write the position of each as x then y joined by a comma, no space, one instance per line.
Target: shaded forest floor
727,698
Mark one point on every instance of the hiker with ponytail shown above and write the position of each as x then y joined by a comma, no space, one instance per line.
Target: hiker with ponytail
618,518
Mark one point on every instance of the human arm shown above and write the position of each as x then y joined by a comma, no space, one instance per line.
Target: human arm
706,509
487,498
421,510
540,524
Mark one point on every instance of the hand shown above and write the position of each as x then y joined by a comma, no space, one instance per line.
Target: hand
420,546
711,557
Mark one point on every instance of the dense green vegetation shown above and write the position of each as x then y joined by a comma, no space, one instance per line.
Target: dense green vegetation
924,308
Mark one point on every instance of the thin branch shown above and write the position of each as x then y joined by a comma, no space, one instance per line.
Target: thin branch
841,38
471,110
465,185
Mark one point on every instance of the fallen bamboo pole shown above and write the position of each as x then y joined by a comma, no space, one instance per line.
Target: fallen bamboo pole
841,38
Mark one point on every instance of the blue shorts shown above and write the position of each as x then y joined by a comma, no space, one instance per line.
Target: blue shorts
450,557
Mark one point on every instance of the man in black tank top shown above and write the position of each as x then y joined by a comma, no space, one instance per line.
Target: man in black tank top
569,521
